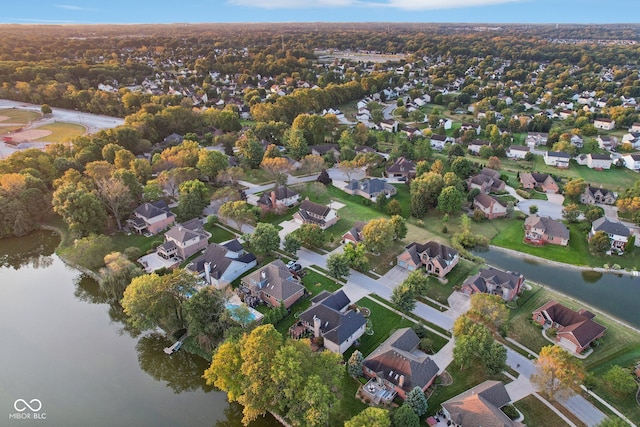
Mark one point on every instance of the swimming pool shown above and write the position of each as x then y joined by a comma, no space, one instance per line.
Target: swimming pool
254,315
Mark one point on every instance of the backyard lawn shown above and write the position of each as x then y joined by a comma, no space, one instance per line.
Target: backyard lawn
61,132
537,413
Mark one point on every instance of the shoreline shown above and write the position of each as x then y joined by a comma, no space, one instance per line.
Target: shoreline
95,276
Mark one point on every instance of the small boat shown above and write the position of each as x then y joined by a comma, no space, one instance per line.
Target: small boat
175,347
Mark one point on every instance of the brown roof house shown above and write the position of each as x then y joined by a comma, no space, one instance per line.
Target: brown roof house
480,406
487,181
331,318
314,213
274,284
397,366
221,264
541,230
489,206
496,282
540,181
354,235
402,168
436,258
593,195
151,217
278,199
184,240
576,330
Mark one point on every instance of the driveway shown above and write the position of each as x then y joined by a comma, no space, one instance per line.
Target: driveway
545,208
395,276
288,227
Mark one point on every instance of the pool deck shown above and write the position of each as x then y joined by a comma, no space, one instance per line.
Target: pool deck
235,300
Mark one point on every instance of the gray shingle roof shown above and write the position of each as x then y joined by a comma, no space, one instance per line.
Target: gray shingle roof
480,406
610,227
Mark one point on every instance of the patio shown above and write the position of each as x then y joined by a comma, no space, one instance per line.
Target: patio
153,262
378,392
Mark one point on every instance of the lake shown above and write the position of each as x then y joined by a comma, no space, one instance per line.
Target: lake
614,294
65,346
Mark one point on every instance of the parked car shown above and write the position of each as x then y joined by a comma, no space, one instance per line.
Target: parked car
295,267
290,264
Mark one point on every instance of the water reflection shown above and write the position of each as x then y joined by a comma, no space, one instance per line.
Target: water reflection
35,250
180,371
591,276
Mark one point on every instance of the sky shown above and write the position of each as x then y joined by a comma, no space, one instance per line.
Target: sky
232,11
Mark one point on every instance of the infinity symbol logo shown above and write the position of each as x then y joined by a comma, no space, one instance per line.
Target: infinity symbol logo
21,405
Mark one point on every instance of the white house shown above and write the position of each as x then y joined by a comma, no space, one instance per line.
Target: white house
518,152
221,264
632,161
558,159
597,161
437,142
604,124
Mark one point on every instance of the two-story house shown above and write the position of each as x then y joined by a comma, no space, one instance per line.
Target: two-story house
184,240
489,206
487,181
151,217
495,282
278,199
558,159
223,263
402,168
541,181
518,152
593,195
541,230
617,232
435,257
632,161
597,161
604,124
314,213
475,146
274,284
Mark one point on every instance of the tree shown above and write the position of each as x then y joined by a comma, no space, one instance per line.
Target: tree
277,168
533,209
417,401
403,297
494,163
378,235
495,358
354,365
310,235
574,188
356,255
211,163
45,109
571,212
117,274
295,143
291,243
450,200
370,417
620,381
240,212
204,313
417,281
170,180
558,372
338,265
394,208
312,164
324,177
80,208
461,167
250,150
116,197
613,422
399,227
265,238
424,193
600,243
405,417
490,309
90,251
194,197
593,212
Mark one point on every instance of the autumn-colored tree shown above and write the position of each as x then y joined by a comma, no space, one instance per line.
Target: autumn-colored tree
574,188
378,234
494,163
240,212
277,168
600,243
558,372
489,309
116,197
311,163
571,212
371,417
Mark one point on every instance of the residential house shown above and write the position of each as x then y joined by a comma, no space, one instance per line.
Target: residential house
321,150
278,199
541,230
435,257
184,240
495,282
604,124
370,188
593,195
487,181
635,127
489,206
354,235
575,330
274,284
540,181
606,142
632,138
223,263
577,141
597,161
397,366
617,232
518,152
558,159
331,318
437,142
471,126
314,213
565,114
151,217
402,168
389,125
475,146
632,161
536,138
480,406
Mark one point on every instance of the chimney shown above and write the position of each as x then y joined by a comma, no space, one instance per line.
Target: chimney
316,326
401,381
207,272
273,198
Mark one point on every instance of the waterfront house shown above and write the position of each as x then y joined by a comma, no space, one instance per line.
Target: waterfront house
314,213
490,207
331,318
435,257
617,232
221,264
184,240
495,282
575,330
397,366
151,217
542,230
274,284
480,406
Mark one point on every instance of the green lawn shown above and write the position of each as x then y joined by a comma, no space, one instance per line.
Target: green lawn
61,132
218,234
576,253
16,115
316,283
520,327
440,291
537,413
122,241
348,405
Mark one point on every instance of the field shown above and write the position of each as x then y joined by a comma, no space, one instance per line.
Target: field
18,116
60,132
537,413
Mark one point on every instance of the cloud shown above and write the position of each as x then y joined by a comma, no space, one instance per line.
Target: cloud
73,7
395,4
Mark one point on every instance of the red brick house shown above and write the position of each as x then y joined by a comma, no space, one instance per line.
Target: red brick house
489,206
354,235
495,282
576,330
274,284
436,258
541,230
540,181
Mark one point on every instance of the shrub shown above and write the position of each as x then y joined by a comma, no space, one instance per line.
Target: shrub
524,194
